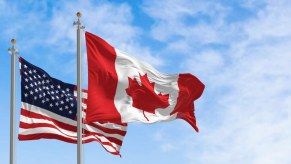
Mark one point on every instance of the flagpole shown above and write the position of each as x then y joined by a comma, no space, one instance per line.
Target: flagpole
79,87
13,53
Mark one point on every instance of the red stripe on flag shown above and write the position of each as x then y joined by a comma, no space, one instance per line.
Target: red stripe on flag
65,139
65,126
24,125
106,130
61,128
33,115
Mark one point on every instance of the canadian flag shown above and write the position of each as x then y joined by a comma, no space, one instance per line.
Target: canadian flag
124,89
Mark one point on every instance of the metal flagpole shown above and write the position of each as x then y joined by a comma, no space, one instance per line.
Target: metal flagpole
79,85
13,53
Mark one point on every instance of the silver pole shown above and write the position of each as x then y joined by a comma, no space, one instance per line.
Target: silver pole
79,85
13,53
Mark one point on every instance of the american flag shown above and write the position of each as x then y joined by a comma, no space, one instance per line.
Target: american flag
49,108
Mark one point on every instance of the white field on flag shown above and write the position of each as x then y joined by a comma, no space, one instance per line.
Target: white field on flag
124,89
129,67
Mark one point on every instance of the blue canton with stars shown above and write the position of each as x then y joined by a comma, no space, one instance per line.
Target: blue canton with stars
41,90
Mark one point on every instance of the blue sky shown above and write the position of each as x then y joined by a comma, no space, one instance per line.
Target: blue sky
240,49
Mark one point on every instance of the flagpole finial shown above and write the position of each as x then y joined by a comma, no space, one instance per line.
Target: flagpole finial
13,41
79,14
13,51
78,22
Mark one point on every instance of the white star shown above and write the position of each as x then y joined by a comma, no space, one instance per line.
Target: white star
59,86
47,99
57,91
34,71
44,75
40,96
25,66
38,76
43,101
42,81
57,104
67,99
26,79
62,95
52,92
52,86
25,94
53,97
70,112
61,108
57,97
30,78
25,73
26,87
47,81
35,97
72,105
67,89
31,92
62,102
66,107
30,72
51,105
34,77
36,90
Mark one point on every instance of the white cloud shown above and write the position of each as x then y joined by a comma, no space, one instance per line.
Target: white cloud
113,22
206,63
274,21
255,113
181,19
49,29
245,112
102,19
167,147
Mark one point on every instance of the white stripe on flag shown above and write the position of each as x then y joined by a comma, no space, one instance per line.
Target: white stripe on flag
101,136
87,127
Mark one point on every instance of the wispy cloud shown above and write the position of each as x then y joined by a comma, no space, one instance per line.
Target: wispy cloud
239,49
189,20
42,26
246,105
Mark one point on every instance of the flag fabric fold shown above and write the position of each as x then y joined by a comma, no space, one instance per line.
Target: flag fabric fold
124,89
49,108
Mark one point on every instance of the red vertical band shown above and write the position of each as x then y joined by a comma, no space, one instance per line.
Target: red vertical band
102,79
190,89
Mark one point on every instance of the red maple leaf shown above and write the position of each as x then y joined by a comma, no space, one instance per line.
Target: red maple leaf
144,97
